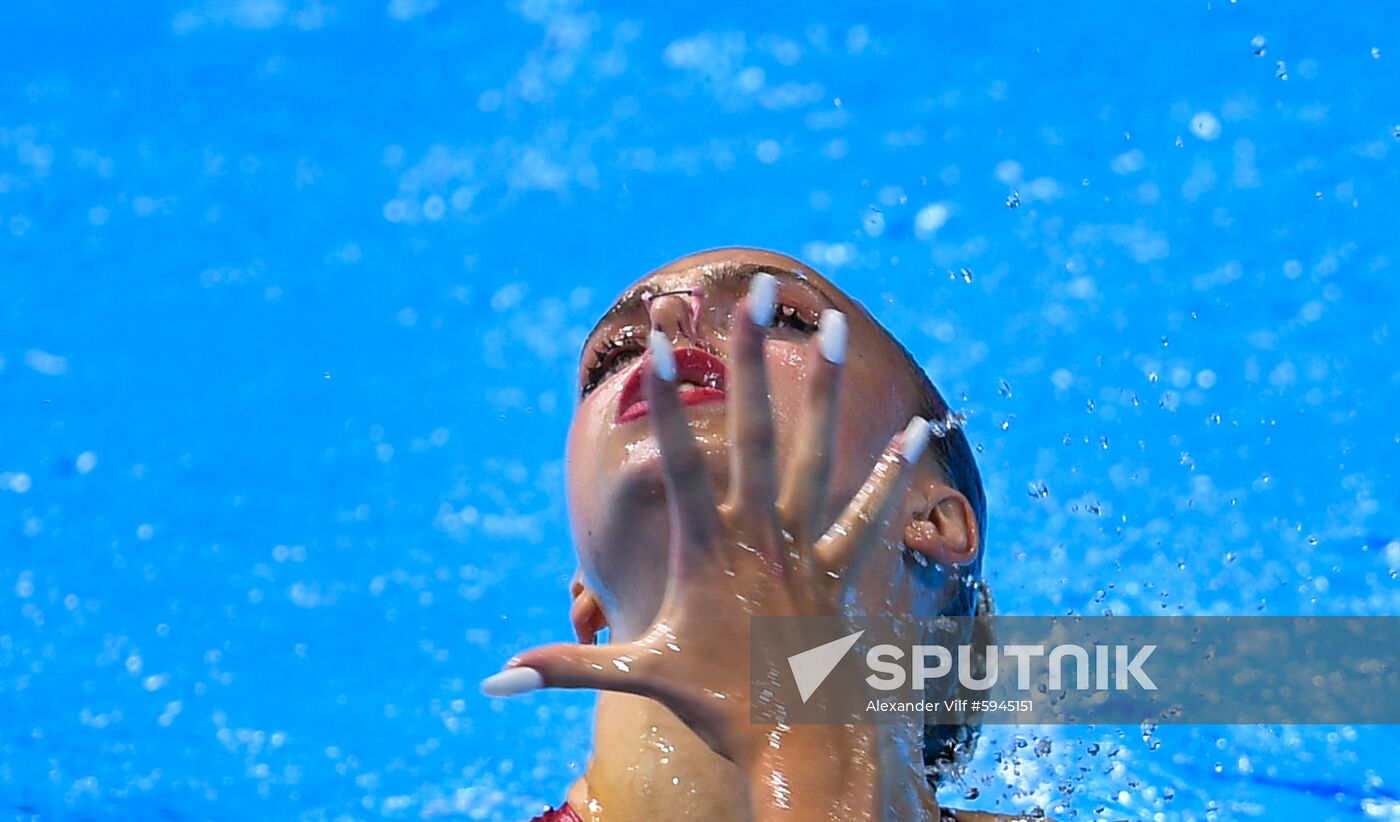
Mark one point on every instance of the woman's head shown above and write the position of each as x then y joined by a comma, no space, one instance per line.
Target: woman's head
616,496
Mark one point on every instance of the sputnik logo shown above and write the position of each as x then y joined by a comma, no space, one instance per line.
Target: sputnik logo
811,667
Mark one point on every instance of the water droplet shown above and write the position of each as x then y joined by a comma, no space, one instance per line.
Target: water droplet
1164,341
1282,71
1004,388
1229,557
1396,132
1014,201
1152,377
972,793
1180,142
1103,442
1042,747
1039,490
1093,749
966,274
1376,53
1258,45
1312,540
1090,405
1005,424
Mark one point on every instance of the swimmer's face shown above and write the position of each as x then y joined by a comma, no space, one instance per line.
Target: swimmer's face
616,495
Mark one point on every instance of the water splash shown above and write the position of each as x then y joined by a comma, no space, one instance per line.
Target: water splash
950,422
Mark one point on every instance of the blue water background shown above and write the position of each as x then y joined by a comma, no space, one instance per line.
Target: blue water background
291,294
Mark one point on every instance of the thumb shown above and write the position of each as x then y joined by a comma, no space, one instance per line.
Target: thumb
571,665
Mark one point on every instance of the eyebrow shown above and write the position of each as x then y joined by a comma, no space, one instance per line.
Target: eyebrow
632,298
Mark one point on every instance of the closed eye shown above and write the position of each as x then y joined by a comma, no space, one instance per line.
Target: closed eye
607,357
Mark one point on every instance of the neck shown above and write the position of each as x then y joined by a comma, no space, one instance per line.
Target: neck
647,765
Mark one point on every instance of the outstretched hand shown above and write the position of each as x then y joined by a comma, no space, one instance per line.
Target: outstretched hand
765,549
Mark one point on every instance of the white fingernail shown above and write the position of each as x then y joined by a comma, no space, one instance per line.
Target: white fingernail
763,293
512,681
915,440
663,357
832,335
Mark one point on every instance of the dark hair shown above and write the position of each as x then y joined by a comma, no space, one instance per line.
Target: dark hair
948,747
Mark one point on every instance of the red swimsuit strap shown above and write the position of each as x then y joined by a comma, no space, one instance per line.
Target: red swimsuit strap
563,813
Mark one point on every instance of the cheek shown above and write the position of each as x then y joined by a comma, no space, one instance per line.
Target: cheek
583,459
787,386
870,411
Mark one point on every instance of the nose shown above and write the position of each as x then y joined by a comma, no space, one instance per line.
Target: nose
676,313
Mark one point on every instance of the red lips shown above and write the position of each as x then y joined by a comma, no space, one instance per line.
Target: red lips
693,366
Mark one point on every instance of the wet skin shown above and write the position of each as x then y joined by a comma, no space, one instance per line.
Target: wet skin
648,763
614,476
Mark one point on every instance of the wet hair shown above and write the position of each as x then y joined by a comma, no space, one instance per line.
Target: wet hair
947,748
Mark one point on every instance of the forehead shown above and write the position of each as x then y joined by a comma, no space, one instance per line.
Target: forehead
701,269
736,264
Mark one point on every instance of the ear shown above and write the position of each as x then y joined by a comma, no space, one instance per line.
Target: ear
586,613
943,526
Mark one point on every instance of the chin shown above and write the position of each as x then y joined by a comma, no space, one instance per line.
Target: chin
635,486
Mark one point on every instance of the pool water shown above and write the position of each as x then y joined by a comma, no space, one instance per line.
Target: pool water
291,293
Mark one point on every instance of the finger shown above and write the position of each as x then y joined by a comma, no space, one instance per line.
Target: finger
753,484
632,668
808,471
694,517
844,546
570,665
